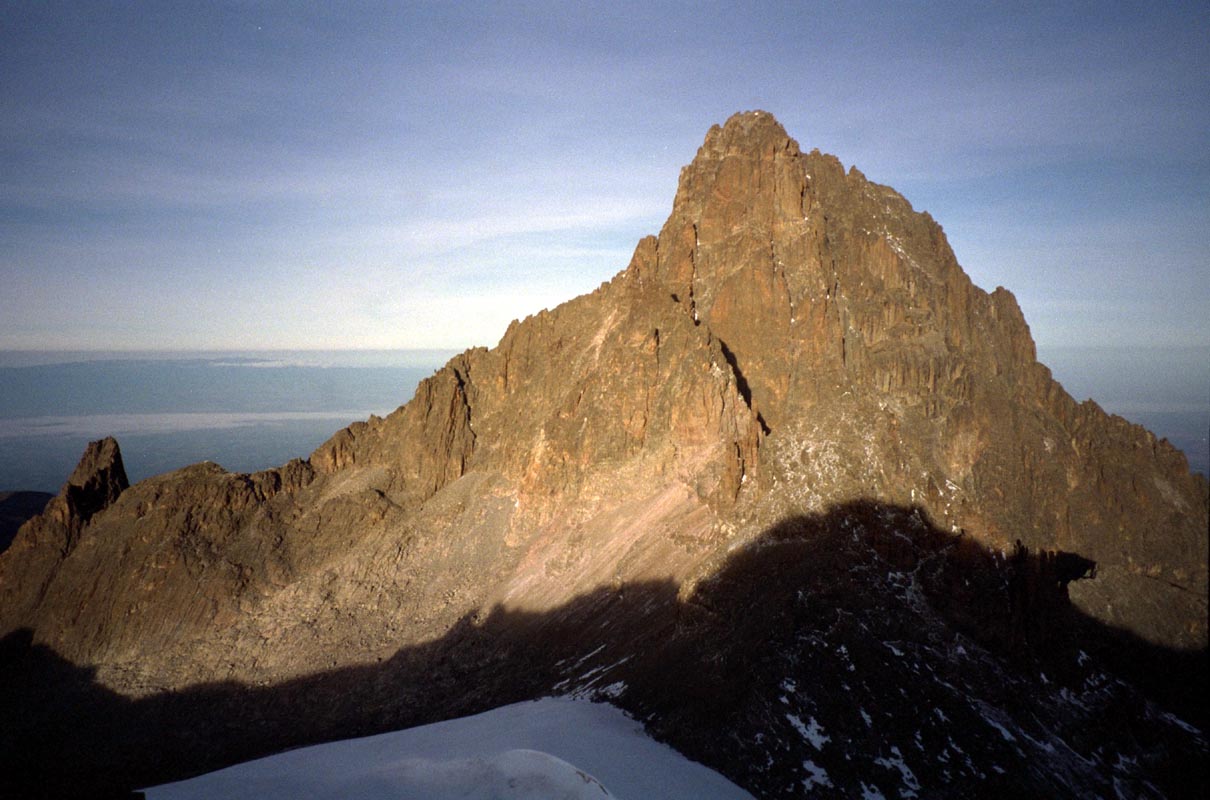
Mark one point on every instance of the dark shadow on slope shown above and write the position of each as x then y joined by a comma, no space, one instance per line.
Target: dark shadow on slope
900,649
864,642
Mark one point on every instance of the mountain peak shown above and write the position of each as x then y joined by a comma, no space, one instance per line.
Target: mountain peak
100,475
748,130
795,367
93,486
744,153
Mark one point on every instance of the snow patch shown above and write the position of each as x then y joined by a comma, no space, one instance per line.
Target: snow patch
812,731
911,786
871,792
549,748
511,774
816,776
1180,723
1008,737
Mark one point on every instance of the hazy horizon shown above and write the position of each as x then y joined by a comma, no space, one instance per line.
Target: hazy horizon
245,410
316,356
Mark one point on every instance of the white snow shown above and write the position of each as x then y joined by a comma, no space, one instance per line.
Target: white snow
1180,723
1008,737
551,748
816,776
587,656
812,732
910,786
871,792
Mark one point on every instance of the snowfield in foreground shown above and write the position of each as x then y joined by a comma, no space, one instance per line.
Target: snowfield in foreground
550,748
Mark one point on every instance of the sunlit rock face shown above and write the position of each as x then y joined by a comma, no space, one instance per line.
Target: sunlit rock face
878,370
796,340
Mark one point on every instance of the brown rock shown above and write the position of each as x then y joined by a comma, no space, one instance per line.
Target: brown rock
796,336
797,339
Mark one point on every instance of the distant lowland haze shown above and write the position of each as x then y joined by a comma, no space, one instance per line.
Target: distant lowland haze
245,411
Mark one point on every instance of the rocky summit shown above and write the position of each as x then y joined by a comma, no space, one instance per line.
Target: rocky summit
789,488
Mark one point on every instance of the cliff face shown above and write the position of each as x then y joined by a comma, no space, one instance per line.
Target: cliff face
849,355
797,338
880,371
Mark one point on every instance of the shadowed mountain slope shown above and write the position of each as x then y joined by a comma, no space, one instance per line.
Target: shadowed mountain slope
862,647
796,339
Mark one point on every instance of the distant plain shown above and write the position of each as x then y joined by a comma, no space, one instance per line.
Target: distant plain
243,410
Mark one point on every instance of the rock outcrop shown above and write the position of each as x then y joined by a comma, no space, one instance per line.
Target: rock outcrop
93,486
796,339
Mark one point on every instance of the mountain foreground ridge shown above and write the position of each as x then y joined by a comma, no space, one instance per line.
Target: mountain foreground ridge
788,473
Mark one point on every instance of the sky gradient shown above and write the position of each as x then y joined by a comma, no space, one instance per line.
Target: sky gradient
289,175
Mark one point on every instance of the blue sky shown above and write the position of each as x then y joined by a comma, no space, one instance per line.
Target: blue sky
295,175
